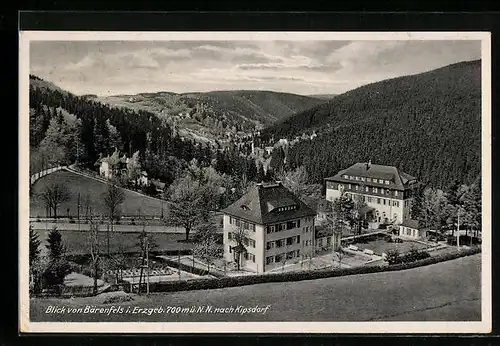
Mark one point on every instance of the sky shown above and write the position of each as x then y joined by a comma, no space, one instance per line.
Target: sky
302,67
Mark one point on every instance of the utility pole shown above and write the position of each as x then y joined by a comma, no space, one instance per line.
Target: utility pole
147,263
78,211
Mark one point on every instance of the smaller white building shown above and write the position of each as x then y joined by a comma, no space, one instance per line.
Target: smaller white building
411,229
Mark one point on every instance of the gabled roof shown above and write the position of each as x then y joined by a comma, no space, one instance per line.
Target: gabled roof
397,179
261,205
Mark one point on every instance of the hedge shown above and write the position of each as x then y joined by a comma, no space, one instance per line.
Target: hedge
223,282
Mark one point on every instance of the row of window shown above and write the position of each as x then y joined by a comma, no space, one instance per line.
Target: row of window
283,226
243,224
307,242
307,229
249,256
291,207
409,232
282,242
281,257
374,189
376,200
374,180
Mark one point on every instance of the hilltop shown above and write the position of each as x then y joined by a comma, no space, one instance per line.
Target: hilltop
429,125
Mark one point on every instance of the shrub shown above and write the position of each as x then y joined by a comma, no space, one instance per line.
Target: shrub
56,272
393,256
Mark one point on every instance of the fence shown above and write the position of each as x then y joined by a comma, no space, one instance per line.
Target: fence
43,173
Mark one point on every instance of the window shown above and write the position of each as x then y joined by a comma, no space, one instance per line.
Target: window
298,239
245,225
251,242
370,199
298,223
349,186
249,256
396,193
346,176
328,241
230,236
386,182
279,243
289,240
375,190
252,227
357,178
362,179
351,177
290,255
246,241
297,253
269,259
375,180
277,258
231,220
270,245
366,188
320,242
383,201
378,200
230,249
356,187
369,179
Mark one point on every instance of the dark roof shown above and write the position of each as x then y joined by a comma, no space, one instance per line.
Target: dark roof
259,205
368,170
321,205
412,224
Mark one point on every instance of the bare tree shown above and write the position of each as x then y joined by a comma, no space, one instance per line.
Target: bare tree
53,195
112,197
207,250
339,256
240,235
95,252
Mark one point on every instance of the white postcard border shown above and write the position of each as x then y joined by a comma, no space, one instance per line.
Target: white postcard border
483,326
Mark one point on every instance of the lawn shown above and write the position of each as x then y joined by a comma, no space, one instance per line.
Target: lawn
447,291
77,242
134,204
378,244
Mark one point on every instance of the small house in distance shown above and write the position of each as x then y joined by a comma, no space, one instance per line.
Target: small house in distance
411,229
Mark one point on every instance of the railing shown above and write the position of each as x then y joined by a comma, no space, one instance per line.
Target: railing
36,176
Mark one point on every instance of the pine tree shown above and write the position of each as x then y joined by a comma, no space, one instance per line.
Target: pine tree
55,245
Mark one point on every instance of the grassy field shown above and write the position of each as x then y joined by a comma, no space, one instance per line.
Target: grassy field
134,204
77,242
447,291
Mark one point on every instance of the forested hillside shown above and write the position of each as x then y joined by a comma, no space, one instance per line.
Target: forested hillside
210,116
65,129
429,125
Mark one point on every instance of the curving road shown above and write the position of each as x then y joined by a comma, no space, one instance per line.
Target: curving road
441,292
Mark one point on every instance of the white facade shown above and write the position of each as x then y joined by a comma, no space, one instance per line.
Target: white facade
411,233
267,245
105,171
394,209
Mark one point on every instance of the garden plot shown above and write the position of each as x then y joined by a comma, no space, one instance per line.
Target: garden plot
156,275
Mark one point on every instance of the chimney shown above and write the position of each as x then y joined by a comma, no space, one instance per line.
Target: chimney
368,164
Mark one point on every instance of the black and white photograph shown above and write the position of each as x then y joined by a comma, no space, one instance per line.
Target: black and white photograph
191,182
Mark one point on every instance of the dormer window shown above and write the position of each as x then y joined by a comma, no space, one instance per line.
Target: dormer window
387,182
245,207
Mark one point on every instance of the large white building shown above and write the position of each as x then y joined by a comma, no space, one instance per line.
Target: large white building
277,225
383,188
